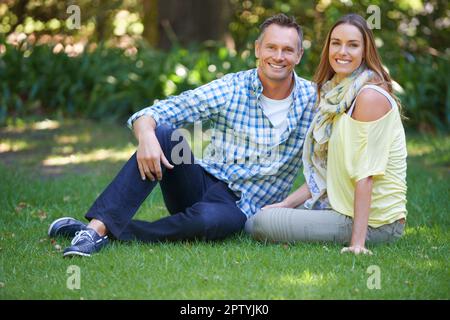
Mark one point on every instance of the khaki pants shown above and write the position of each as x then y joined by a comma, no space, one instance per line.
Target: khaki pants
290,225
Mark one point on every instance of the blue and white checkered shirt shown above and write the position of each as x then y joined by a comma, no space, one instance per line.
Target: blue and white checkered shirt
245,151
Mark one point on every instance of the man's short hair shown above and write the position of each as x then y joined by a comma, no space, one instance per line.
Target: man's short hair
284,21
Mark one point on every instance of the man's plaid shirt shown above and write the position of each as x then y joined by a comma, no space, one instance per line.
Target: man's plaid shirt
245,150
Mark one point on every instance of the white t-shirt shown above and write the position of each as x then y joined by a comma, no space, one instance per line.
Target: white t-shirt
277,111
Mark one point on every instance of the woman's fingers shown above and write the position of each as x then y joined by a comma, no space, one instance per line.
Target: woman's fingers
356,250
345,249
274,205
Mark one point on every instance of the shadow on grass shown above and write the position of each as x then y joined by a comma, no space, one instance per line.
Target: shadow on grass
429,151
49,148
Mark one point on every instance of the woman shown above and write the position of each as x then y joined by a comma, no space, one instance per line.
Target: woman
354,154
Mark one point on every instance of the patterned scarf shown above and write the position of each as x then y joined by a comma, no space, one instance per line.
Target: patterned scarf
334,101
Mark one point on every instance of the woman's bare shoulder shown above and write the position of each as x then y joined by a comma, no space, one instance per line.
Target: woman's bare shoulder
371,105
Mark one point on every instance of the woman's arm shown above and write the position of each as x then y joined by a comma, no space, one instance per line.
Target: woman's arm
370,106
363,196
295,199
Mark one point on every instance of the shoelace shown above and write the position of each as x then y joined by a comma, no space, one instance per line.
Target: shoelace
83,234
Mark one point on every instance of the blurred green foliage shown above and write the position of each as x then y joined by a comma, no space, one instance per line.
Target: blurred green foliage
37,77
425,91
105,82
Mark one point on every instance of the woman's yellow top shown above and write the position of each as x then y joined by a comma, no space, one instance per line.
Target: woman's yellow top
357,150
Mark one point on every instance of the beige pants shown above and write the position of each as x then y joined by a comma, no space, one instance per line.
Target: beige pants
290,225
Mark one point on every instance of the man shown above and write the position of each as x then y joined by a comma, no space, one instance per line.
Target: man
260,118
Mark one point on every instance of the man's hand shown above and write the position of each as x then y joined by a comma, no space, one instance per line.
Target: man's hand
149,153
149,157
357,250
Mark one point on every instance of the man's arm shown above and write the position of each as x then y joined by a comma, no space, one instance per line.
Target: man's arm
193,105
144,123
190,106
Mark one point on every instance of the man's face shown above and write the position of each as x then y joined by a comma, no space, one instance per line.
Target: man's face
278,52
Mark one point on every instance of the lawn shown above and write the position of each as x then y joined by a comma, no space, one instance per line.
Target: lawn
51,169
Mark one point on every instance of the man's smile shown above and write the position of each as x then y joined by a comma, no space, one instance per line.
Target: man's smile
277,66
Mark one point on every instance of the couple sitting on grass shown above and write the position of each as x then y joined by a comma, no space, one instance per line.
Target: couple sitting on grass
345,129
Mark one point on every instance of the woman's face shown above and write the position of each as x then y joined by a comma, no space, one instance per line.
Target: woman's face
346,50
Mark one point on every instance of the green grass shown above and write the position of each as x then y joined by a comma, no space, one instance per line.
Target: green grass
40,182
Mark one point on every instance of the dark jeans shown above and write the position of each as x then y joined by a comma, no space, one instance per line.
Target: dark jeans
200,206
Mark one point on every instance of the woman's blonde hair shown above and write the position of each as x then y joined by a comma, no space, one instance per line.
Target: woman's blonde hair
371,58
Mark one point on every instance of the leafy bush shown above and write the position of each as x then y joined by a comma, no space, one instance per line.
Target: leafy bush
425,96
109,83
103,83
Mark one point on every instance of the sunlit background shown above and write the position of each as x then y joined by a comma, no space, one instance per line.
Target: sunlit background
66,90
64,64
122,55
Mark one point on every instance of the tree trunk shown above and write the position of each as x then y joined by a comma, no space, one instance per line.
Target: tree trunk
19,10
187,21
150,19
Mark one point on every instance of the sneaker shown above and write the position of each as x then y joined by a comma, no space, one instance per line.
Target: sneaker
85,243
65,227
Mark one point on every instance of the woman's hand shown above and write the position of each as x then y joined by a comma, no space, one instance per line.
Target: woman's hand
293,200
281,204
356,250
